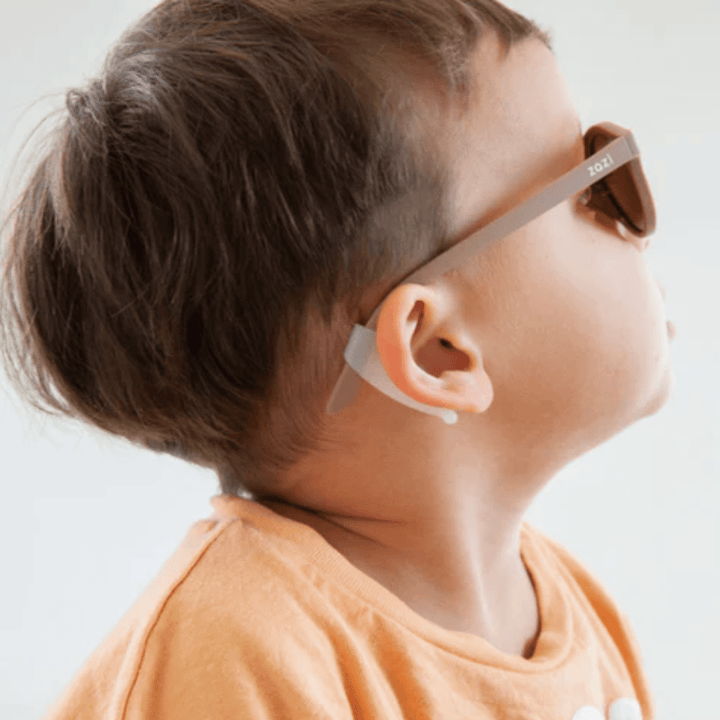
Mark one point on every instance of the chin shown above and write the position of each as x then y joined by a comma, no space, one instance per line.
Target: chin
662,394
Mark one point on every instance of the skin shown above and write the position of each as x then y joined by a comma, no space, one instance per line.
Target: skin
558,341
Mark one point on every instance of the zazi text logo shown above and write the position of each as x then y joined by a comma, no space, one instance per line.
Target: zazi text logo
598,167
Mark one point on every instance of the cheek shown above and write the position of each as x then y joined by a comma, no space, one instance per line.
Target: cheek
575,320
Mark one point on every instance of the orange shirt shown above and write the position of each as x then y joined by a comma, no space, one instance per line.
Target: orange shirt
258,616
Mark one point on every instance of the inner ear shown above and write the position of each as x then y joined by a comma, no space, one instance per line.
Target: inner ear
435,360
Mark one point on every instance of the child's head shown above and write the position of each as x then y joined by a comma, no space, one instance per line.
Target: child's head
236,189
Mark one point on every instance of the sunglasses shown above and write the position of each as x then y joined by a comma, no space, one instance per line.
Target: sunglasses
617,187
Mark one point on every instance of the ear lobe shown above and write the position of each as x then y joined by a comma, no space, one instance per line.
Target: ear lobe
473,390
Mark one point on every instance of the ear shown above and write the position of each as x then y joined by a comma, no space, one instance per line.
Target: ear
427,362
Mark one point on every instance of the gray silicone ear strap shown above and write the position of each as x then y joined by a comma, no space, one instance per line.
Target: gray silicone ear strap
361,355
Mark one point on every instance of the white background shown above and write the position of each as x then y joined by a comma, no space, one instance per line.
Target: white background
86,521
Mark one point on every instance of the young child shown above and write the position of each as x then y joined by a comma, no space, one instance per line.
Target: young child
245,182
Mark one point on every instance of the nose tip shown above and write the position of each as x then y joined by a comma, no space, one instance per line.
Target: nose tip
641,243
645,243
662,290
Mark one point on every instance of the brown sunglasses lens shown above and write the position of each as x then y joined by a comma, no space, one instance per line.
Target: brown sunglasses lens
618,195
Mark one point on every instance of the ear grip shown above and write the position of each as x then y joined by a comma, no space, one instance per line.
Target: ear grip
361,354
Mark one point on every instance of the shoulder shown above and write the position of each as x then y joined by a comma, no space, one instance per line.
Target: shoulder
240,632
229,627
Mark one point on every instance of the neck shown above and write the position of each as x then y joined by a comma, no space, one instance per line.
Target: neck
451,585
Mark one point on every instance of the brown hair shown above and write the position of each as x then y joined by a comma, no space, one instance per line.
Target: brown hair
187,260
